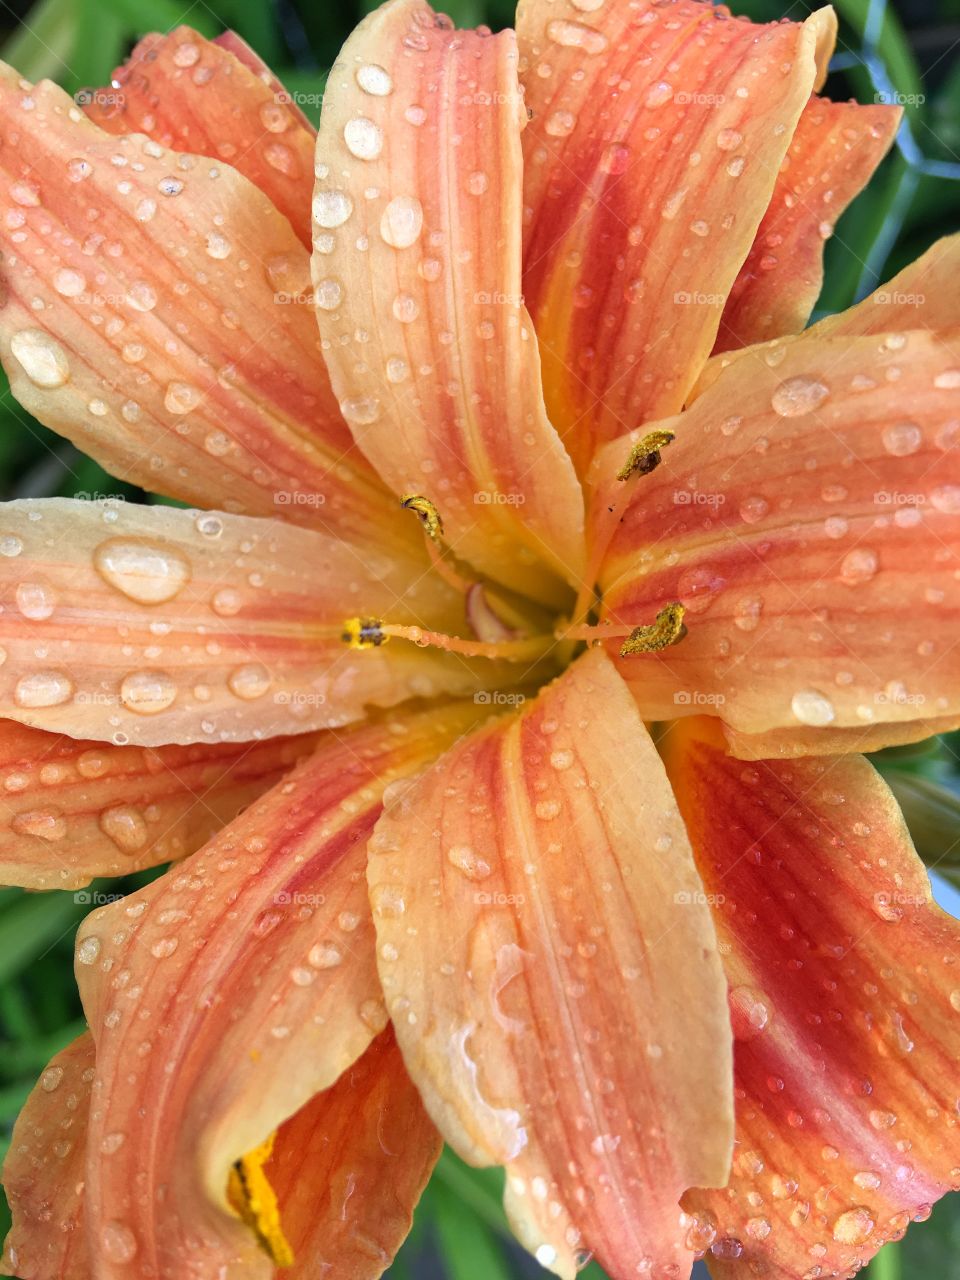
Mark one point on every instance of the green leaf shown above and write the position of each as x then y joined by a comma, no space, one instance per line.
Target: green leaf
33,924
469,1247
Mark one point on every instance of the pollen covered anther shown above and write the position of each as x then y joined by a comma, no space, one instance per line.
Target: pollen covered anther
251,1195
667,630
428,513
363,633
644,457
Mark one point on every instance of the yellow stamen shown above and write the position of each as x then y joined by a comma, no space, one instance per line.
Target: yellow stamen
645,454
428,513
251,1195
667,630
523,650
363,633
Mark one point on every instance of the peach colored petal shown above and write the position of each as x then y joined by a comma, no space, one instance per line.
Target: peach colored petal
786,743
832,156
73,809
199,96
416,267
844,1000
151,625
349,1169
656,137
236,45
549,965
921,296
43,1172
808,517
157,311
225,995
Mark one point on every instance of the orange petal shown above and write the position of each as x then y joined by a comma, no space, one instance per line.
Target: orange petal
196,95
808,517
833,154
44,1169
844,999
225,995
655,142
75,809
922,296
157,311
550,968
417,275
349,1168
153,624
236,45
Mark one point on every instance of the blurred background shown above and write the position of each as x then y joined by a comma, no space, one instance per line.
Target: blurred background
904,52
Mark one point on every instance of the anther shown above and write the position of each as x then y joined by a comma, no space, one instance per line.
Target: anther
644,457
363,633
667,630
427,512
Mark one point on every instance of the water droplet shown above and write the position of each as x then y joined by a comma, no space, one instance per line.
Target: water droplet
946,498
364,139
332,208
812,707
858,565
574,35
729,139
753,509
42,359
125,826
119,1242
902,438
467,860
88,949
660,93
560,124
69,284
363,410
328,294
749,1012
218,246
44,824
402,222
145,571
142,296
35,600
250,681
43,689
854,1226
325,955
374,79
148,692
405,308
181,397
51,1079
746,613
10,545
797,396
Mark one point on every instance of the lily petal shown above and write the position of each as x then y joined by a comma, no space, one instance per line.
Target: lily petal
831,158
195,95
157,312
416,269
152,625
653,151
791,516
921,296
229,993
44,1169
844,1001
549,966
349,1168
75,809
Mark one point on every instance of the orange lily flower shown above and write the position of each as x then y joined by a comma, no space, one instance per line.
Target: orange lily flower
469,896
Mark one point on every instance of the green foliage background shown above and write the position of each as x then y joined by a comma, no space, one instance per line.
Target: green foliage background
907,49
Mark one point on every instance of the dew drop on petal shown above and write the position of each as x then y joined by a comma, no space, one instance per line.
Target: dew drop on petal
43,689
143,571
402,222
363,137
332,208
41,358
147,692
858,565
797,396
250,681
374,79
812,707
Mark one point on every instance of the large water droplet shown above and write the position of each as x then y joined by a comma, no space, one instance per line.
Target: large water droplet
42,359
858,565
812,707
332,208
797,396
43,689
364,139
374,79
125,826
147,692
144,571
402,222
